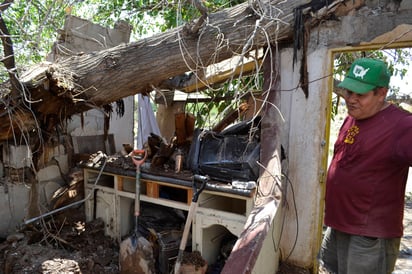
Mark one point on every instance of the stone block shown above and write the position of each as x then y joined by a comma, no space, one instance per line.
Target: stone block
16,156
48,173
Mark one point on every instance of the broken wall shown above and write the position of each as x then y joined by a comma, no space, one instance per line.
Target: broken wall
82,36
19,199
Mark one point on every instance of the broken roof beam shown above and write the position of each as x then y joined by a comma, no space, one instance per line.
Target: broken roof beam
248,246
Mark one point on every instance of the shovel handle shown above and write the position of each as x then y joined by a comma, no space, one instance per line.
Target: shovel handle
138,156
190,217
137,194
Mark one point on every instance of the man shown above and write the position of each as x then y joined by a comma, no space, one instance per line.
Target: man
366,180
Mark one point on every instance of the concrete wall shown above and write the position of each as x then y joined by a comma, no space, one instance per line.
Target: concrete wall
305,135
13,201
304,141
80,35
120,127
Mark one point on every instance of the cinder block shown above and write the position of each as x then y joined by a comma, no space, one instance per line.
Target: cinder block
63,163
48,173
405,5
17,156
14,200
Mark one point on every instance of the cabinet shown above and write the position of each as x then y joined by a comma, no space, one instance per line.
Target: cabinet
221,209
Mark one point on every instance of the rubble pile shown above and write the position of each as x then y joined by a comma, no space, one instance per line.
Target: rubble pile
61,244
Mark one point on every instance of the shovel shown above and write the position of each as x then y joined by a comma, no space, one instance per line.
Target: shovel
193,205
136,253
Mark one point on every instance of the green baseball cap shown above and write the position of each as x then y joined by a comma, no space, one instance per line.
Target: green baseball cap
366,74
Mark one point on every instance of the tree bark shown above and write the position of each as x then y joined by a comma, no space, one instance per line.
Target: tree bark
82,82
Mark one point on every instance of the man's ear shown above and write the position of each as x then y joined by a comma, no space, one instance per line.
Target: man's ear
383,91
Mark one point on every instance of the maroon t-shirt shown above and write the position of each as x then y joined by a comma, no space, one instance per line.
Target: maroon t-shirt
366,179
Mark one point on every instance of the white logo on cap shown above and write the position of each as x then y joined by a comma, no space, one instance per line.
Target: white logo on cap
359,71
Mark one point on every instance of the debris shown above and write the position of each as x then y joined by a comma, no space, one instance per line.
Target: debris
193,263
56,246
15,237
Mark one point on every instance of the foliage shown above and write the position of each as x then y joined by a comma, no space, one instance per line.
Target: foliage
33,28
146,16
225,98
34,24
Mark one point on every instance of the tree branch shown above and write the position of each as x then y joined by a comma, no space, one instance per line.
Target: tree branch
8,60
199,23
5,5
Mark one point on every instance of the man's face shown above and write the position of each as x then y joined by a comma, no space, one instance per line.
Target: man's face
362,106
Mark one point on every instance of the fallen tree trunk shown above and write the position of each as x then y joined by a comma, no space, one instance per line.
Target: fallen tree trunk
82,82
139,67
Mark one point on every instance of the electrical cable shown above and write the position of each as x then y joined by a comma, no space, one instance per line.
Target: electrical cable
296,215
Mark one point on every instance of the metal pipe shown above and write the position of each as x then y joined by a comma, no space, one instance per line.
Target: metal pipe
70,205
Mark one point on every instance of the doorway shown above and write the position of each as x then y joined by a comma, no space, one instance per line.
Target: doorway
399,60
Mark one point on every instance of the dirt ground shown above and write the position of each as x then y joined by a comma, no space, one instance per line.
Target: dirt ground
66,244
404,262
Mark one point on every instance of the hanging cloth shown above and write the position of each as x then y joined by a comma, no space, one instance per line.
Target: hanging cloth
147,123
